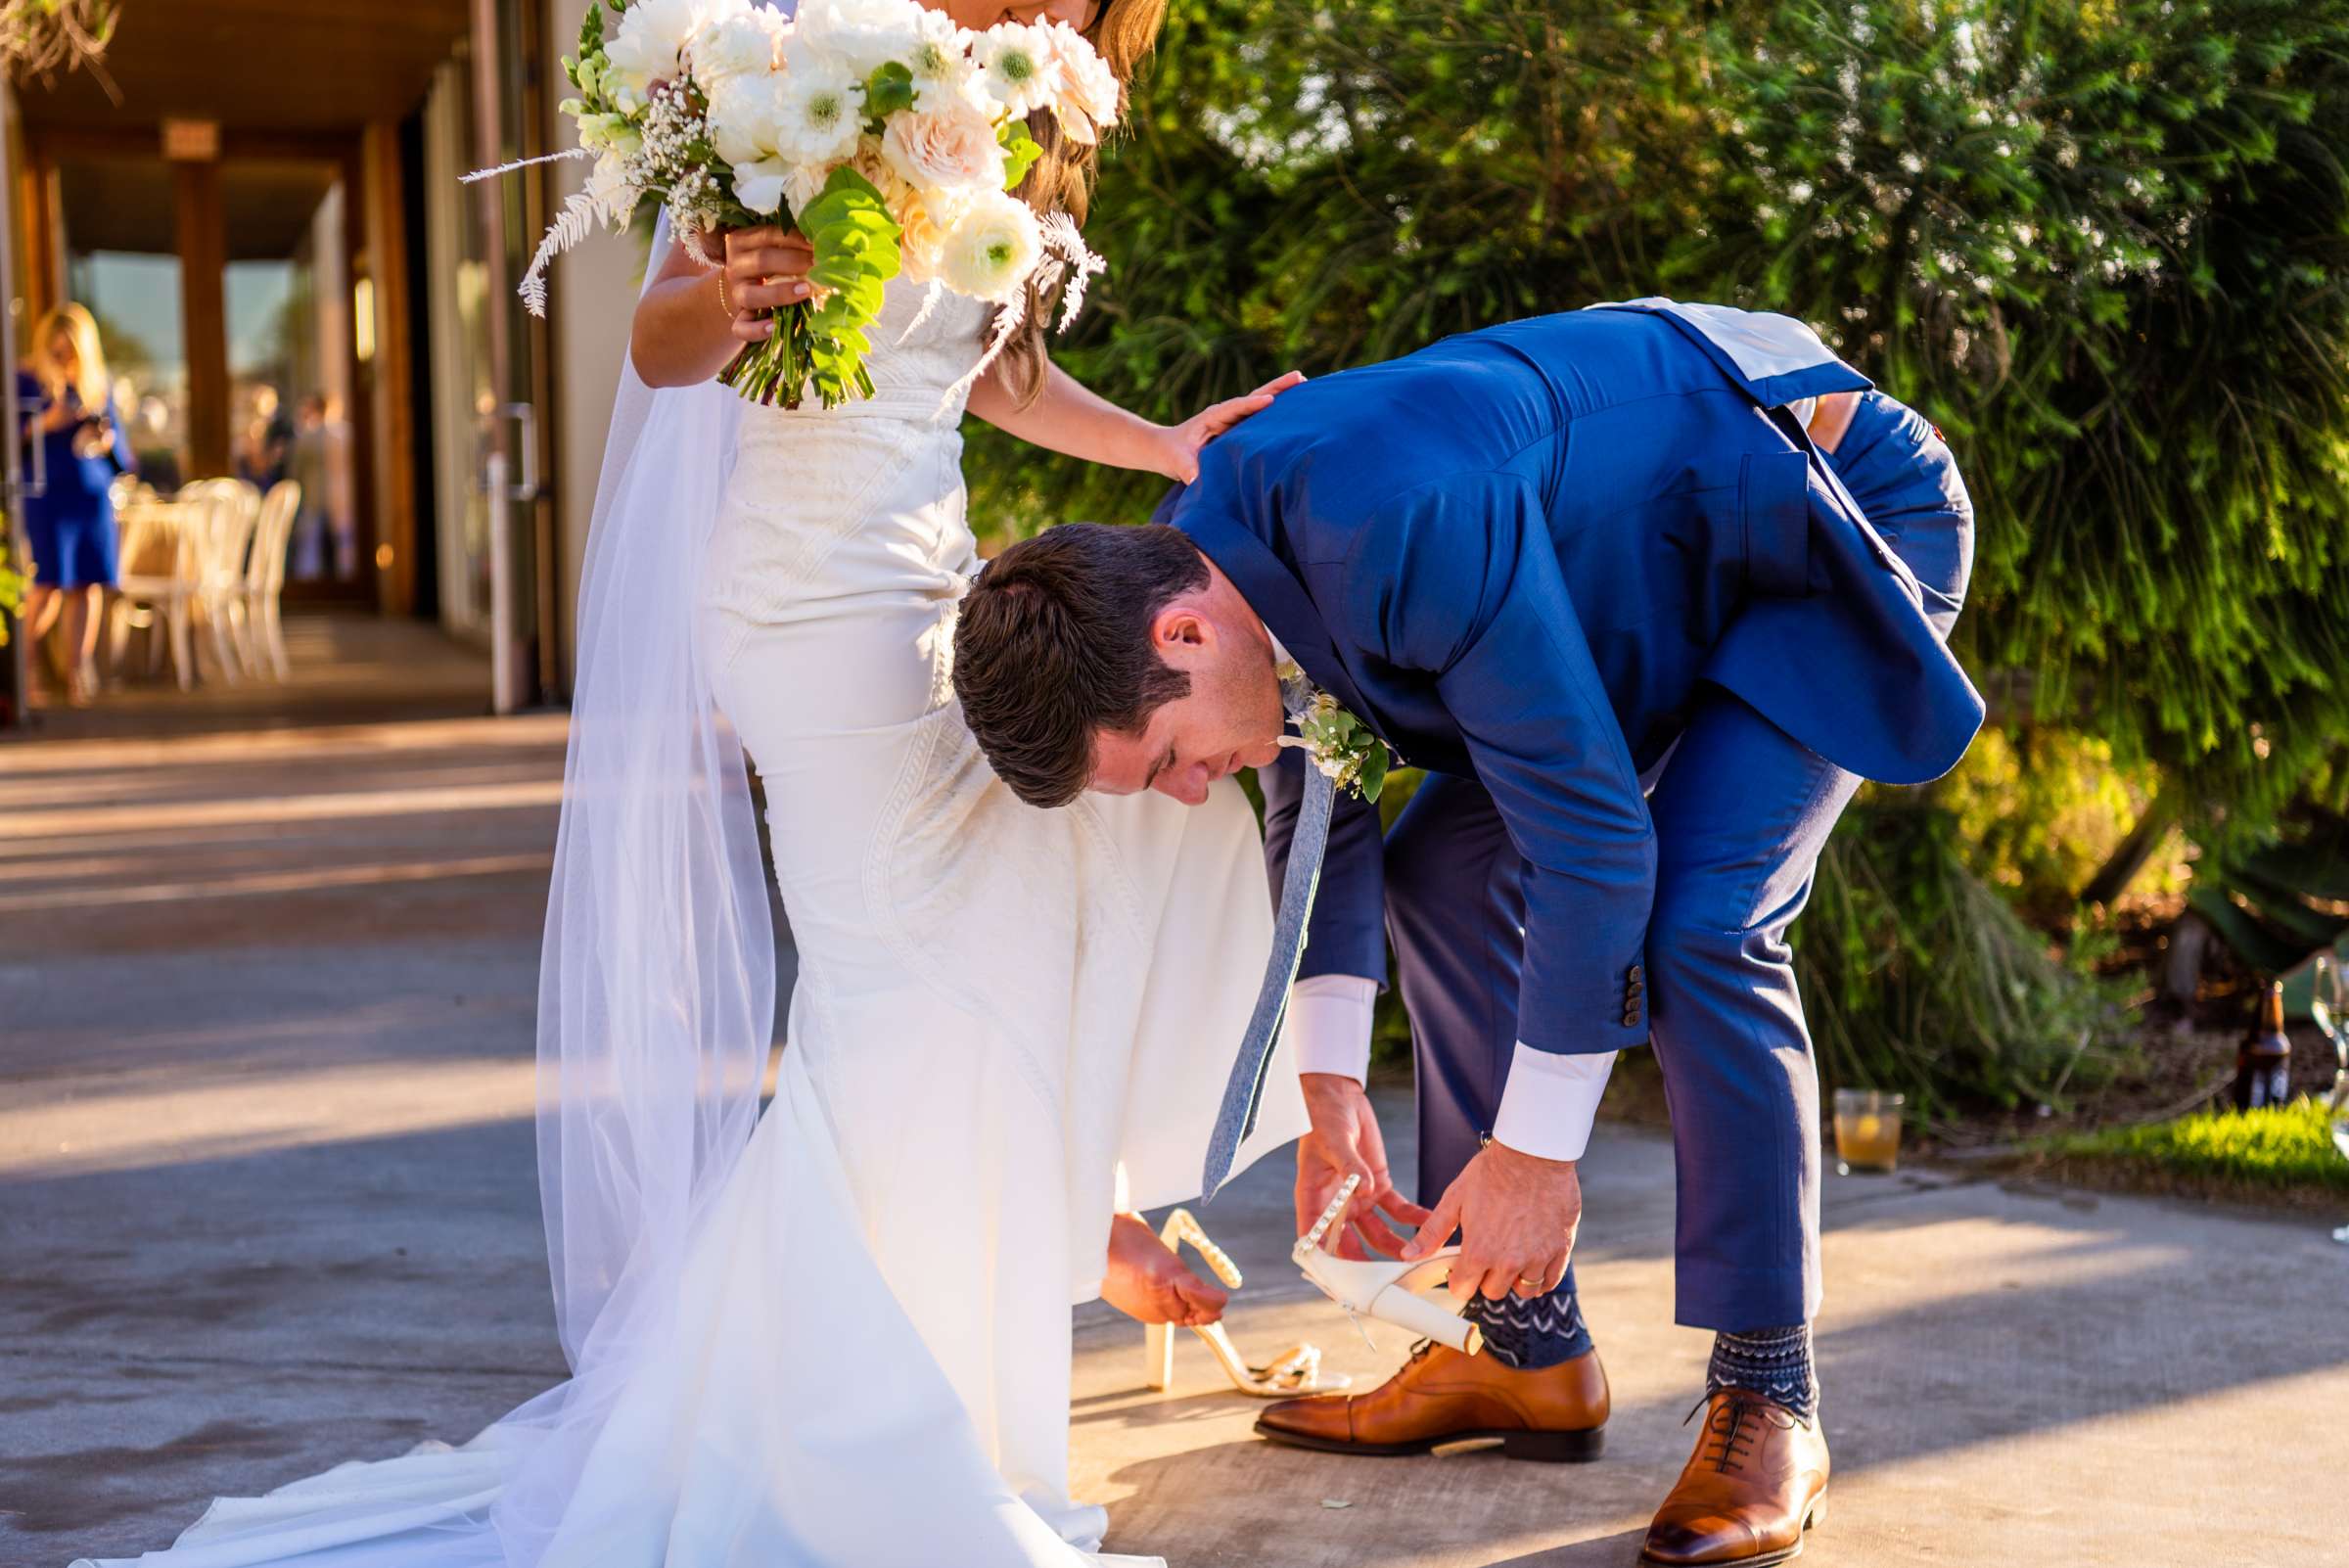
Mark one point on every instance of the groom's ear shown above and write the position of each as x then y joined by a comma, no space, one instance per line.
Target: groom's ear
1183,633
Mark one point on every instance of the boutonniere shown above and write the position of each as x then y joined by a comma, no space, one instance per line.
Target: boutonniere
1341,745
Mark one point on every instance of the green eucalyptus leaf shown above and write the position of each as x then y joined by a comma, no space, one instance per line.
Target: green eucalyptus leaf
1021,149
887,91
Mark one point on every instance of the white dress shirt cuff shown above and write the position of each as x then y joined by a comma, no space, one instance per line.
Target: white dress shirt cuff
1329,1025
1551,1102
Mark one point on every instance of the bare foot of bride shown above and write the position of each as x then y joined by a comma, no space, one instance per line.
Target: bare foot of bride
1148,1282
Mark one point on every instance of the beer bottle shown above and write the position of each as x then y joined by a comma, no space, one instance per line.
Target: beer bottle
2263,1068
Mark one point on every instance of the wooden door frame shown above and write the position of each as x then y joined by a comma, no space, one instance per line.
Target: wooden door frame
202,247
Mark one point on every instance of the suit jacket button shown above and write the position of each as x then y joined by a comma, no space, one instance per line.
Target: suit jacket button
1634,974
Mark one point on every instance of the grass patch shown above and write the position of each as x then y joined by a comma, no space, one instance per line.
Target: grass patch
2284,1153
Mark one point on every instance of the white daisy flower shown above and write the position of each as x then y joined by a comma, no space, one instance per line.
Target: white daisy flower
939,57
1018,68
819,112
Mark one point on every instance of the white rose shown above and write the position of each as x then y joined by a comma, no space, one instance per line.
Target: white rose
992,248
744,115
819,112
737,46
860,35
1086,96
952,146
804,183
761,184
650,43
895,190
1018,68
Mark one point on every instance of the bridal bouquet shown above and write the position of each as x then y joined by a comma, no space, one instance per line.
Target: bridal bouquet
882,132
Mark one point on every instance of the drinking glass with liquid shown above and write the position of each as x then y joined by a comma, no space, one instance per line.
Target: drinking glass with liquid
1867,1130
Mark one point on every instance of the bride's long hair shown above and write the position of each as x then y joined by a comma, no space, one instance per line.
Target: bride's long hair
1124,33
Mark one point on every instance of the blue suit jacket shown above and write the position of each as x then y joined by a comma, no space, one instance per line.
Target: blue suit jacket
1516,553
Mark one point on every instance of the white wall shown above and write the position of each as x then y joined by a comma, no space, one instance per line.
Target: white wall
590,296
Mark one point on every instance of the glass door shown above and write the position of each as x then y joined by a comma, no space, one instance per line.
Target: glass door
117,222
226,306
288,308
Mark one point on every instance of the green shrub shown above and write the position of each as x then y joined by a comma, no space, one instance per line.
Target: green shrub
2105,244
1917,976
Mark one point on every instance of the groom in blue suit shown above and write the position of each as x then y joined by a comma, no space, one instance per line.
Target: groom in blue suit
1647,591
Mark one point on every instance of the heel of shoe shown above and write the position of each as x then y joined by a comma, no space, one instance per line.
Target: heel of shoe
1556,1448
1158,1355
1819,1512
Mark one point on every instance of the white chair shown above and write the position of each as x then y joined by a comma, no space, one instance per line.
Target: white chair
157,584
231,509
260,639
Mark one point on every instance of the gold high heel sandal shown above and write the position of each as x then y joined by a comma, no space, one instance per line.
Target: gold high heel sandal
1294,1371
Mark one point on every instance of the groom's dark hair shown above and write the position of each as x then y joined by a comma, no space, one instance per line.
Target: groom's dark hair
1054,644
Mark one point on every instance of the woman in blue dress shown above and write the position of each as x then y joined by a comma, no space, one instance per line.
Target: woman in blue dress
68,408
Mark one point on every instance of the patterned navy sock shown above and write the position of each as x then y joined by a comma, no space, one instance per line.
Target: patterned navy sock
1774,1362
1532,1333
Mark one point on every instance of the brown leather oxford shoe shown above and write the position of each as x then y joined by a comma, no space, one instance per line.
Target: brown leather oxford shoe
1756,1482
1557,1414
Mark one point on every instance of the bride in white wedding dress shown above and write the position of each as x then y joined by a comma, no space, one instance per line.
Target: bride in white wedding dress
839,1336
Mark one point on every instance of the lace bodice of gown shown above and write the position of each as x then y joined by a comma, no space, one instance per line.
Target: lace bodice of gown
920,349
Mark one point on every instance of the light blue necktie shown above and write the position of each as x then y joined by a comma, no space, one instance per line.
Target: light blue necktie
1243,1095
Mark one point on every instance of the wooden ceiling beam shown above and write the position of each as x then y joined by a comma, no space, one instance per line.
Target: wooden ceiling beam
268,63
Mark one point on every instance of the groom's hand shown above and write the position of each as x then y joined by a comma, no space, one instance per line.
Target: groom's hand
1516,1216
1345,1141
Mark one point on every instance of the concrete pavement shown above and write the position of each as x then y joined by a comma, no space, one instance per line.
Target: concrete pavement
268,1201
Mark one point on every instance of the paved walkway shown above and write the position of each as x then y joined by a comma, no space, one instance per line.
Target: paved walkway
266,1203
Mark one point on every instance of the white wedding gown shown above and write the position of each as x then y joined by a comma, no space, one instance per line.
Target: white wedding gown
1007,1023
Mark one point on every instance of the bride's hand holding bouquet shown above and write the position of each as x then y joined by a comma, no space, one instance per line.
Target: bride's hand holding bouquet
886,136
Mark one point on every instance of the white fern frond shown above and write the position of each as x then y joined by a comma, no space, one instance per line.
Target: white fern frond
577,220
1079,263
479,174
685,232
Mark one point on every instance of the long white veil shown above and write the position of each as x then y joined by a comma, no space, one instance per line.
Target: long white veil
657,985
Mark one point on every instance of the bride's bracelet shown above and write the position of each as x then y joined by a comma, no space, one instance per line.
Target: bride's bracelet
724,303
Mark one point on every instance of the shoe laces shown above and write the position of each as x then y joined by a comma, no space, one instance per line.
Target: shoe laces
1731,1428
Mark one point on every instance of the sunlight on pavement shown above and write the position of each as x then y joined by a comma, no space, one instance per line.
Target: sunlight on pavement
246,885
179,1123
